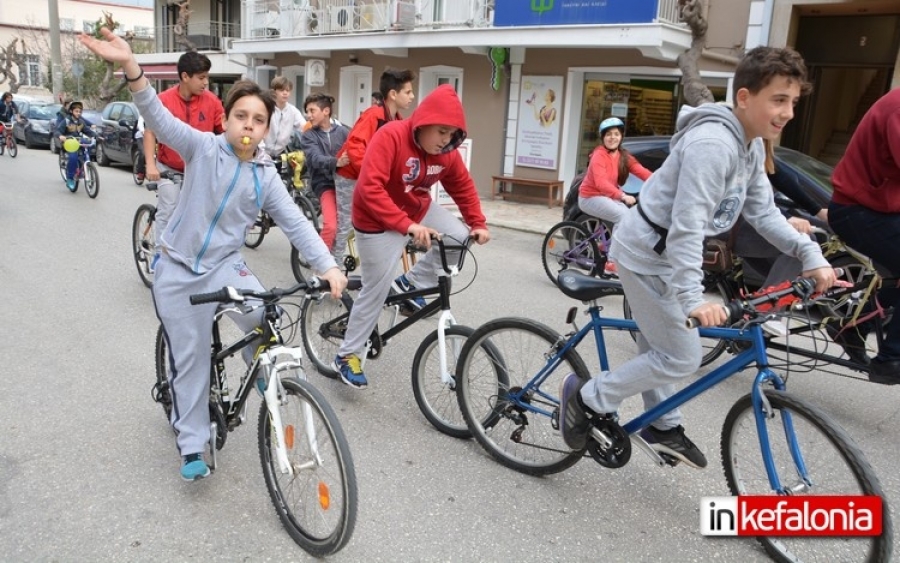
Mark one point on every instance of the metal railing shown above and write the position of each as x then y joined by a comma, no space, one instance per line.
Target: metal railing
204,35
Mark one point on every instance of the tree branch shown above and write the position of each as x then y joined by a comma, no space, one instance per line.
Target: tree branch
695,92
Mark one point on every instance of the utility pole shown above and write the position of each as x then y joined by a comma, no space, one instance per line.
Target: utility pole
55,52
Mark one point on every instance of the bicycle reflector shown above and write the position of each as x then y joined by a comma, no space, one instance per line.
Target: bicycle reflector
324,495
71,145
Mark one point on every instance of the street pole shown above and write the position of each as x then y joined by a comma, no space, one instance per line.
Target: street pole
55,51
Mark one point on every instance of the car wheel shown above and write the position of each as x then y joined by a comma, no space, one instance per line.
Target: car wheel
29,142
102,158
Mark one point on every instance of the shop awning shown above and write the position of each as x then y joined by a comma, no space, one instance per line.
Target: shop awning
157,72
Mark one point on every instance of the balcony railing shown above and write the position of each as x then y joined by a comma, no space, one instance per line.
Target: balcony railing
302,18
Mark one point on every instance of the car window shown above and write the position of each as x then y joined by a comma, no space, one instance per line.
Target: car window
128,114
815,170
43,112
115,112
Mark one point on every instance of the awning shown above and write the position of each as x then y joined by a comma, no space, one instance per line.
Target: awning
157,72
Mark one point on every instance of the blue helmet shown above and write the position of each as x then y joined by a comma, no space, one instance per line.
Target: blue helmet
609,123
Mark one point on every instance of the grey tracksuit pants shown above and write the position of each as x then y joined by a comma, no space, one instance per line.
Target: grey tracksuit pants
603,207
167,193
188,331
667,352
380,254
343,195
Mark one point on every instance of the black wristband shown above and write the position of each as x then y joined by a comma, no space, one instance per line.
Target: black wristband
136,78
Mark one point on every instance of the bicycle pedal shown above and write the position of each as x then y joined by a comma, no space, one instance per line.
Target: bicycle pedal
671,461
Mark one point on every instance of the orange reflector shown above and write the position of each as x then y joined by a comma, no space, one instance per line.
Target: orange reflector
551,244
324,496
289,436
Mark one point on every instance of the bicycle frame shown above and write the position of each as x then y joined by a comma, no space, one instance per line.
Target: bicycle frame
756,354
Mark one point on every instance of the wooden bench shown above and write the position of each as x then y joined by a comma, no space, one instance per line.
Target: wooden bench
501,186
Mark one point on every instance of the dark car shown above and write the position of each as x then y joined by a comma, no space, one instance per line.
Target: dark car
93,117
814,176
35,124
116,130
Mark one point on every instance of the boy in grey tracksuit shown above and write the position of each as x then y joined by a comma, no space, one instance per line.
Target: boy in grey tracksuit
220,198
713,174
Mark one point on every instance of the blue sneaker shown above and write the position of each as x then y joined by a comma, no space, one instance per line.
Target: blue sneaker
193,468
402,285
350,368
70,184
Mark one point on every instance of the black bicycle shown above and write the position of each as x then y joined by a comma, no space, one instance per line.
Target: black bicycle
302,195
305,456
143,232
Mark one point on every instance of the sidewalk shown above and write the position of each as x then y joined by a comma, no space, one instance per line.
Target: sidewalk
528,217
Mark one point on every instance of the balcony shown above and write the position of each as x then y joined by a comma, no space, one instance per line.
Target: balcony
204,35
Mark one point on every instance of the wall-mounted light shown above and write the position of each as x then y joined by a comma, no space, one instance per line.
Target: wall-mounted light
353,58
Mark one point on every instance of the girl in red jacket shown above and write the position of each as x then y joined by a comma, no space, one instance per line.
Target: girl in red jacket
392,201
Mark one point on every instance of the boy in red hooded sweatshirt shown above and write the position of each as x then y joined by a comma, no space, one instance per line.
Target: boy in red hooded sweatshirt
393,199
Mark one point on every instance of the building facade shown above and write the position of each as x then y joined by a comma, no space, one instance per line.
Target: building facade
537,77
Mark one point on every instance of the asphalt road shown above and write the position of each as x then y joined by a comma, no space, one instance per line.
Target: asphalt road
89,471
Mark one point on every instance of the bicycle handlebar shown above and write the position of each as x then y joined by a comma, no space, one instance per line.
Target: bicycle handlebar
737,308
176,177
442,250
233,295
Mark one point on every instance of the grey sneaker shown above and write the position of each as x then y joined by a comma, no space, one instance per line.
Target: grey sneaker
674,443
574,424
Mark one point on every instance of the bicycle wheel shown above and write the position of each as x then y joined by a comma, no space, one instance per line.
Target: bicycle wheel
160,391
323,323
92,180
301,269
308,210
63,161
317,504
257,231
568,245
436,399
143,242
499,360
836,467
12,147
137,168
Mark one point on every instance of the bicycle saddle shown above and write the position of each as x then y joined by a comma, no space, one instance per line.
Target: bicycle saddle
583,287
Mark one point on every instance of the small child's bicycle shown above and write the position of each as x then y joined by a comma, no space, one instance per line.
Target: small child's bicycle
8,140
305,456
86,171
772,443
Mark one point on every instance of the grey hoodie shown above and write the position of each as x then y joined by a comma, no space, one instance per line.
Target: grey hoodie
221,196
709,178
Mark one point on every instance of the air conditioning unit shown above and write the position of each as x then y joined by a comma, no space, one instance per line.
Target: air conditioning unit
373,16
341,19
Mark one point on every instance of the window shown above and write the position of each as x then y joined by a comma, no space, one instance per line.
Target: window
30,72
66,24
430,77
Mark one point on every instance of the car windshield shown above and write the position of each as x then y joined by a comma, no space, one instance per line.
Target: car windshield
817,171
43,112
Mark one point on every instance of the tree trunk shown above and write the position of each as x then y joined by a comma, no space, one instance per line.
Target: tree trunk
695,92
181,27
8,57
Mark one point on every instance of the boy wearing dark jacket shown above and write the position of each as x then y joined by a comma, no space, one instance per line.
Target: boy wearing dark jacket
393,200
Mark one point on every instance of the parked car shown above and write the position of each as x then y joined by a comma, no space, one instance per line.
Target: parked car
35,122
116,130
814,176
93,117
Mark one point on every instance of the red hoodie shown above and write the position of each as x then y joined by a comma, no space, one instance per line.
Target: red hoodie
394,187
869,173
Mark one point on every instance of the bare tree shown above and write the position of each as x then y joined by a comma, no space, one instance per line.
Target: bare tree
10,56
695,92
180,29
110,86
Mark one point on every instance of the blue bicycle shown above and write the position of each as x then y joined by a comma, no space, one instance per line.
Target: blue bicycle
773,443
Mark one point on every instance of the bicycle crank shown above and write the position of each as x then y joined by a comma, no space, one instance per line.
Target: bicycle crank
612,448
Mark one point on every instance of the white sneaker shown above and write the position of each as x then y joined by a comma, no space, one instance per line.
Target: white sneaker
775,327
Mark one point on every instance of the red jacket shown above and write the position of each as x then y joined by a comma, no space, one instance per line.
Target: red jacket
394,187
203,112
602,177
370,121
869,173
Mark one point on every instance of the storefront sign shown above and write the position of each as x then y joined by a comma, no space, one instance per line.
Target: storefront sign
537,135
570,12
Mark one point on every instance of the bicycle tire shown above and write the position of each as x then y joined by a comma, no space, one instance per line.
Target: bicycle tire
825,447
143,241
137,167
12,147
318,503
503,355
437,400
323,324
568,245
63,161
92,180
161,391
301,269
257,231
308,210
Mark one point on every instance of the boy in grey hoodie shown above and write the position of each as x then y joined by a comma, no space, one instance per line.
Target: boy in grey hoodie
714,173
227,180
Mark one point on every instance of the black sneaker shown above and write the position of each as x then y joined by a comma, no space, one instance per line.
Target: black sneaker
886,373
674,443
402,285
851,340
574,424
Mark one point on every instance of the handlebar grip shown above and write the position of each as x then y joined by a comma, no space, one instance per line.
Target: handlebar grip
734,310
317,283
214,297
